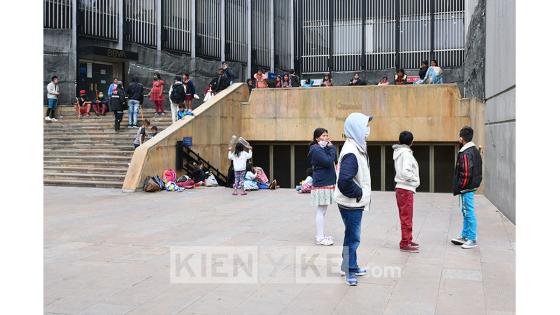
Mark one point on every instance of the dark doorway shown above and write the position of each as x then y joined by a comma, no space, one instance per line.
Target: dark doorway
95,77
282,165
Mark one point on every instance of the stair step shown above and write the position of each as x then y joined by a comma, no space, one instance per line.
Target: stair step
85,164
86,170
87,158
82,183
90,176
69,145
65,151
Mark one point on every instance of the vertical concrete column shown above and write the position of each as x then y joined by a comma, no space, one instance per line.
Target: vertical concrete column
158,33
292,38
249,70
120,43
271,20
292,165
271,159
223,30
383,168
432,170
73,59
193,29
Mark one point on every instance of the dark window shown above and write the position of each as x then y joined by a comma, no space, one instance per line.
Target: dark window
261,157
374,152
282,165
301,162
444,163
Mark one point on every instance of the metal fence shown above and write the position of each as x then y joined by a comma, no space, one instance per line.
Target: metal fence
449,32
414,39
260,32
140,21
57,14
315,39
236,30
208,28
396,33
282,35
176,25
100,18
380,34
347,35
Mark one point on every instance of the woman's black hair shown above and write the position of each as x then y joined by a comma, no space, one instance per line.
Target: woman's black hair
157,75
317,133
425,62
309,171
54,77
239,148
433,60
401,70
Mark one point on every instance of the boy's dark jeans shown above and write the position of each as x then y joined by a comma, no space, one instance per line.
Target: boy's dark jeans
118,119
352,219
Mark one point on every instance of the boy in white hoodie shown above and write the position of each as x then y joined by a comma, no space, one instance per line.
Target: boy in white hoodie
407,179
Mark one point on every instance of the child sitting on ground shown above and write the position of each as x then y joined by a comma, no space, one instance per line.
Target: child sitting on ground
101,105
306,184
250,182
198,174
262,179
141,134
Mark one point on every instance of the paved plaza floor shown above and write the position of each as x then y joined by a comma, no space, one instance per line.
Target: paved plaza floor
106,252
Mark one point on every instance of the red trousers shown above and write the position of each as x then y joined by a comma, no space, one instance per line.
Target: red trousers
159,106
405,201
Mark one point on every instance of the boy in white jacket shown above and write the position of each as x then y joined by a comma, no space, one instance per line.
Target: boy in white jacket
407,180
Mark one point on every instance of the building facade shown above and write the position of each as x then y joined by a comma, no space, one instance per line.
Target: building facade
87,43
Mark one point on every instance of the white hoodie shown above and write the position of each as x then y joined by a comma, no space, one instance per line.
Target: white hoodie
406,168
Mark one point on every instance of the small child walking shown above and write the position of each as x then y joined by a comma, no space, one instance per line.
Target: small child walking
407,179
466,180
239,158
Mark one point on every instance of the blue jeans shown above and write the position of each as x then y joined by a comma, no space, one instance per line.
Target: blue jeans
352,226
133,112
469,217
51,103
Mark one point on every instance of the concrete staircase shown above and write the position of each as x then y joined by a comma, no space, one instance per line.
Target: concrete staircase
87,152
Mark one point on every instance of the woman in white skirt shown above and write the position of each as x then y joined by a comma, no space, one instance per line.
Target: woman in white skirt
322,156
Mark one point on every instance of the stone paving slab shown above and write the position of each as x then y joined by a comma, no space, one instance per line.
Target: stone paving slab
106,252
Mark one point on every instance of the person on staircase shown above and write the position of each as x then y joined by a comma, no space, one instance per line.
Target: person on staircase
135,93
117,104
156,94
189,86
100,106
142,134
177,96
52,98
83,104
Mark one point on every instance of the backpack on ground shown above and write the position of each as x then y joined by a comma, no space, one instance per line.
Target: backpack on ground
159,181
150,185
211,181
169,175
188,184
178,94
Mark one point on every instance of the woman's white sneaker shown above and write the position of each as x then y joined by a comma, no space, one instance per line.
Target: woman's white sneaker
326,241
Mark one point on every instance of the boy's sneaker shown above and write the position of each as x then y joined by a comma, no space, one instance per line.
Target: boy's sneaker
361,272
351,279
129,126
409,249
469,244
47,118
54,119
414,244
326,241
459,240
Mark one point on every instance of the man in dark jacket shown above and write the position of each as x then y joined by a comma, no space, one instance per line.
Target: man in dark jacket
135,93
227,71
466,179
222,82
294,79
117,104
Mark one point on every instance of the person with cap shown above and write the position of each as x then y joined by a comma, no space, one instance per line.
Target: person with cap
83,105
117,104
353,190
